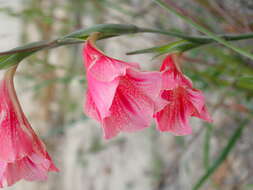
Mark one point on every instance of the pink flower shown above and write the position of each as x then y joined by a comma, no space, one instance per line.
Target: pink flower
183,101
22,153
119,96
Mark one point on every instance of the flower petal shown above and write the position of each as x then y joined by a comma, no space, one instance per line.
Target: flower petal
131,111
31,168
175,116
150,83
102,94
102,67
197,99
203,114
90,108
172,75
133,105
173,121
3,166
17,141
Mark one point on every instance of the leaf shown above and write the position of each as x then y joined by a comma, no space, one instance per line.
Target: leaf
107,30
245,82
222,157
177,46
14,56
7,61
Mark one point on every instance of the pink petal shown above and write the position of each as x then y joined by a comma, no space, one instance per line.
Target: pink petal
197,98
172,76
131,110
174,117
133,105
90,108
172,121
31,168
203,114
102,67
17,142
182,103
150,83
2,170
102,94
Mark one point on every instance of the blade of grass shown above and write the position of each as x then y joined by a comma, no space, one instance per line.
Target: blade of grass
186,45
222,157
206,146
204,30
177,46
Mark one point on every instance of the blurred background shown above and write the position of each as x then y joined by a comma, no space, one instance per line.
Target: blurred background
51,87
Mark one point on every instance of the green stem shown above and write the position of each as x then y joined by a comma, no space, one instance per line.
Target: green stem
14,56
204,30
198,39
31,47
112,30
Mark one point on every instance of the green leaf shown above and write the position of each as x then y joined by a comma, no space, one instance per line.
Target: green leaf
107,30
177,46
222,157
245,82
14,56
7,61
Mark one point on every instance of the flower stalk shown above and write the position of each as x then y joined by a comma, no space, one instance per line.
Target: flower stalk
108,31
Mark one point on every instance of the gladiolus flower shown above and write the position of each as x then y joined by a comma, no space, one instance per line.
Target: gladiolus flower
119,96
183,101
22,153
